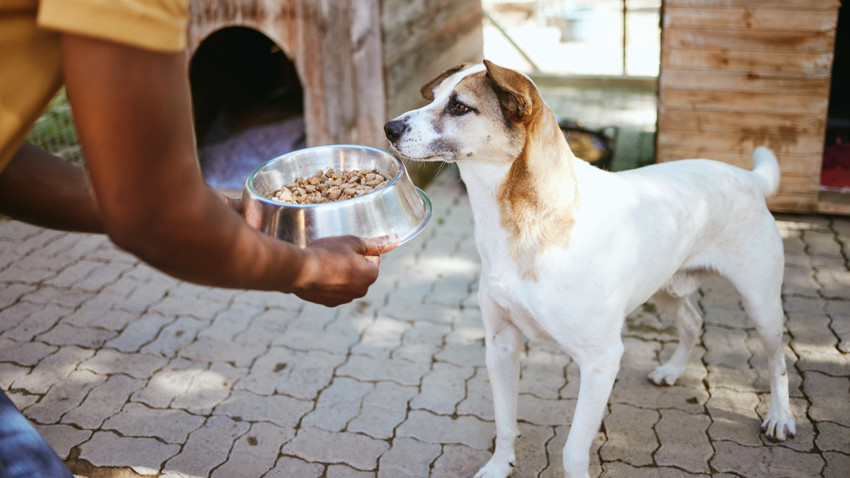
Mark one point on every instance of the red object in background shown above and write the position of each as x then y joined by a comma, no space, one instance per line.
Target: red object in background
836,166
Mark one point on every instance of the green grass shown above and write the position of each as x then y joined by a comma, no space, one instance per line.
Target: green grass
55,133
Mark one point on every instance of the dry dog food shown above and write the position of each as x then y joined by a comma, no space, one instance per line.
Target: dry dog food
329,186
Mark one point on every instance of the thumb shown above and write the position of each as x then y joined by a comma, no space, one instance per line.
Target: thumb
375,246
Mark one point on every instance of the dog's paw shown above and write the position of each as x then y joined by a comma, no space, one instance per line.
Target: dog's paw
665,375
779,426
496,469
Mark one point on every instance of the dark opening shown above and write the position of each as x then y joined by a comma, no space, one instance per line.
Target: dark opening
835,174
248,104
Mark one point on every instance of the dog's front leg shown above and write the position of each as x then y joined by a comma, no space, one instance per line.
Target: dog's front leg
502,342
598,372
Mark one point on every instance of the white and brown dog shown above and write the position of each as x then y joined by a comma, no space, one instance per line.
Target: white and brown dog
568,250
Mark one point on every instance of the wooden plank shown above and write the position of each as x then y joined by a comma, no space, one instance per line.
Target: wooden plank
749,40
833,202
737,101
725,121
787,4
790,63
742,143
750,18
742,81
793,203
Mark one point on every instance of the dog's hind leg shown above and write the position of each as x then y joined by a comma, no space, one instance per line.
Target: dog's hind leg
502,341
765,309
688,323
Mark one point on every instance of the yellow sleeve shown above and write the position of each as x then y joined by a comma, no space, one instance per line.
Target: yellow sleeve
151,24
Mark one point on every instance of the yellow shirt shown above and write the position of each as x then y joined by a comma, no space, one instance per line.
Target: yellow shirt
30,58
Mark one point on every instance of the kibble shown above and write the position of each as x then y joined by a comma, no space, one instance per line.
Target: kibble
329,186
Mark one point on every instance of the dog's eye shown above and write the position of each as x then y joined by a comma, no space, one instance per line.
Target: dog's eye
457,108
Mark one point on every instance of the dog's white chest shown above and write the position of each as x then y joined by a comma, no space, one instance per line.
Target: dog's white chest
520,302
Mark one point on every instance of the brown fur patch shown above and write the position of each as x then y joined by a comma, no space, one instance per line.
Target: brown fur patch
539,196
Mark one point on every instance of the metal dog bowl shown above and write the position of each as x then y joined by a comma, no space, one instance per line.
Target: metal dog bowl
398,209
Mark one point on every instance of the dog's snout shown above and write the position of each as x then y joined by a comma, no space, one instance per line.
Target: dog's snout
394,129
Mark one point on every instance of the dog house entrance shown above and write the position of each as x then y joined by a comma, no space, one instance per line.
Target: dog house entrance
248,104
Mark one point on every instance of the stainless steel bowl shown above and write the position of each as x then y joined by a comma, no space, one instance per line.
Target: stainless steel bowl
397,209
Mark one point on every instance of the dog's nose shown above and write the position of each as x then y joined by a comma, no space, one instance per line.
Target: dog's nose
394,129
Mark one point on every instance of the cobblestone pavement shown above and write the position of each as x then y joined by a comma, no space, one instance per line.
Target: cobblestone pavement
128,372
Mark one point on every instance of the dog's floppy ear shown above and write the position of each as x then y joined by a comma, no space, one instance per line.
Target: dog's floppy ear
427,89
515,91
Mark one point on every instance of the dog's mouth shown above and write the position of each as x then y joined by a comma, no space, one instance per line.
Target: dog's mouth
422,159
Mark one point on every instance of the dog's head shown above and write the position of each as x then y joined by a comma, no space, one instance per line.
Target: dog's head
476,112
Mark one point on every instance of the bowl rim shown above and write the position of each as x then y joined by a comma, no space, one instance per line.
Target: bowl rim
249,183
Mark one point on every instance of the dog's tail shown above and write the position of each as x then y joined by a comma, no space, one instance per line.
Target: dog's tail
766,170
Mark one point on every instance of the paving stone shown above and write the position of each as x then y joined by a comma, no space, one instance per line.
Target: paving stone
619,470
479,396
308,340
167,384
47,295
107,362
23,321
104,400
683,441
833,437
254,453
837,465
369,369
173,336
840,324
459,460
442,388
337,405
63,397
408,458
358,451
382,410
828,396
530,448
139,333
298,374
289,467
631,435
62,438
278,409
9,373
137,420
208,389
733,416
380,337
430,428
24,353
144,455
765,461
90,338
207,447
53,369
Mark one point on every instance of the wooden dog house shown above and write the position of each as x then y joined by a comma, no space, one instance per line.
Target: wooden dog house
739,73
351,64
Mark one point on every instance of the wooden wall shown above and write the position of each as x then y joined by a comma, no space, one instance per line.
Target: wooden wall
360,62
421,39
736,74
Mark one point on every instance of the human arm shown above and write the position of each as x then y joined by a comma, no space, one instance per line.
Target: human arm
132,108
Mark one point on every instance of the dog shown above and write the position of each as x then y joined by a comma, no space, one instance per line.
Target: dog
569,250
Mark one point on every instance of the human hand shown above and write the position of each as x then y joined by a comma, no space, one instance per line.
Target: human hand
337,270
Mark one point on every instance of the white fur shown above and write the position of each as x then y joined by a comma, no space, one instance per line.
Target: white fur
653,232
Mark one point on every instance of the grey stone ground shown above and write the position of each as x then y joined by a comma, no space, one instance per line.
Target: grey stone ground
126,371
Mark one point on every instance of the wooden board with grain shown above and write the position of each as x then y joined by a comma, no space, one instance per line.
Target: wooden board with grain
736,74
